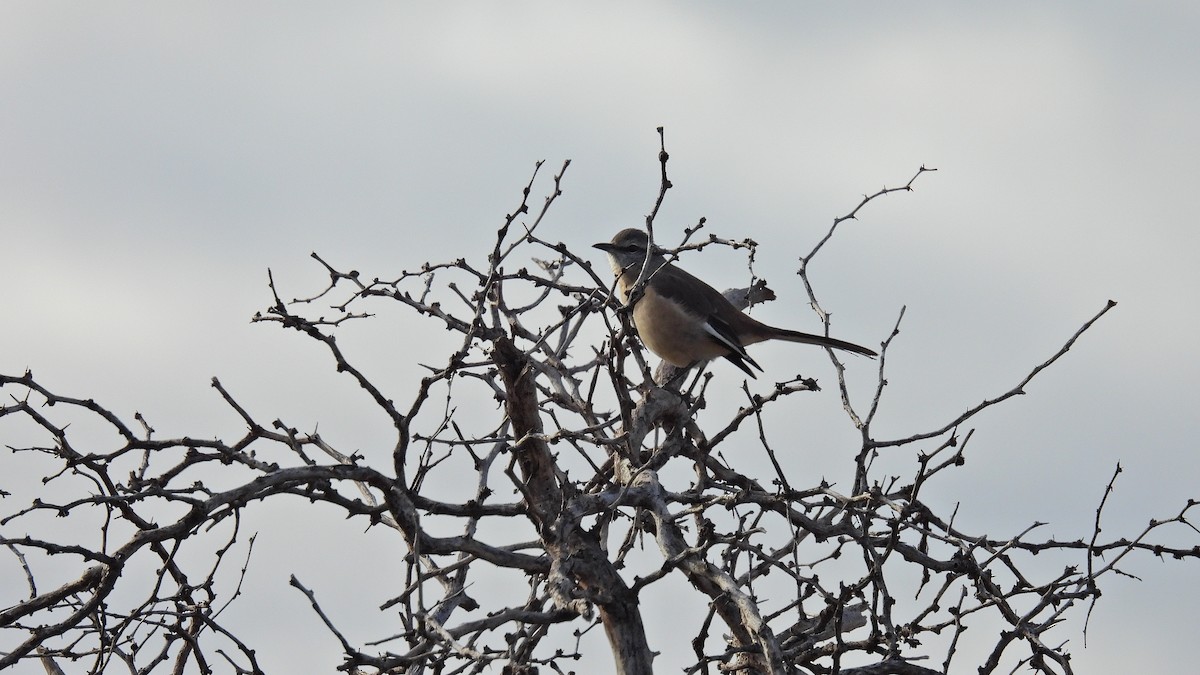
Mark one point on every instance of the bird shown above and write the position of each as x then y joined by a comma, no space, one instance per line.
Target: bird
684,320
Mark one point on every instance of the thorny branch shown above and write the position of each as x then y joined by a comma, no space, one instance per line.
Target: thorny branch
573,497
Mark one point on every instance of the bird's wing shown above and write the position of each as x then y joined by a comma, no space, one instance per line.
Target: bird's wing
690,293
708,305
723,334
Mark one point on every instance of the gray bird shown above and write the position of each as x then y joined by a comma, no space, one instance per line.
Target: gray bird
683,319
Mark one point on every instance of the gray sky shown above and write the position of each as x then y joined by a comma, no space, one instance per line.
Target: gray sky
157,159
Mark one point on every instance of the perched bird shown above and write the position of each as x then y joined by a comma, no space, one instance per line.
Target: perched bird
683,319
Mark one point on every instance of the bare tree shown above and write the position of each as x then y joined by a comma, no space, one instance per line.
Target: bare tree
566,487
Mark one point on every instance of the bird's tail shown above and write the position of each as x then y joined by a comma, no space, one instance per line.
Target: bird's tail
797,336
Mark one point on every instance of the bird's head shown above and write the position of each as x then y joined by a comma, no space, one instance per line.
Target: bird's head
628,249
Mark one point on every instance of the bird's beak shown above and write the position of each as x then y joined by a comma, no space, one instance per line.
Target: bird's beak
604,246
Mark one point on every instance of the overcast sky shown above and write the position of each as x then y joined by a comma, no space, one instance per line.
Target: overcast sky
157,159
